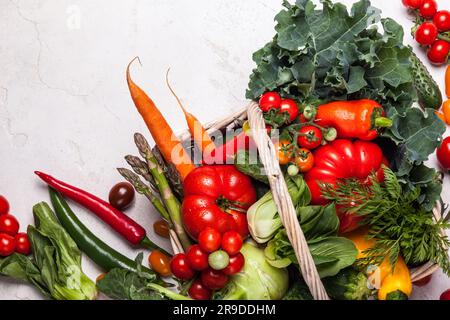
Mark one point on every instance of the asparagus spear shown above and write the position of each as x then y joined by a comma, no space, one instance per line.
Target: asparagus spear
143,189
172,203
140,168
171,173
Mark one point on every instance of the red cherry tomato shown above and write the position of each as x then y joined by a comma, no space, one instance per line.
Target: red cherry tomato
197,258
289,106
442,20
413,4
198,291
236,264
7,244
22,243
4,205
423,282
213,279
443,154
426,33
428,9
180,268
209,240
439,51
269,100
9,224
445,295
232,242
160,263
310,137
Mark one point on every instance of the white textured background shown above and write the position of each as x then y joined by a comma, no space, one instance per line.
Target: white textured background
65,107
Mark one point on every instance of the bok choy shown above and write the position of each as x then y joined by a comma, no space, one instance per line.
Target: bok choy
262,216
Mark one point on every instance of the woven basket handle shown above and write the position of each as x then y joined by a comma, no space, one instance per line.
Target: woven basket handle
284,203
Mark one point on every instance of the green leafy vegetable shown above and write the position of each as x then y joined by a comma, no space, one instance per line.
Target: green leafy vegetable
320,226
298,291
124,284
324,54
55,268
348,284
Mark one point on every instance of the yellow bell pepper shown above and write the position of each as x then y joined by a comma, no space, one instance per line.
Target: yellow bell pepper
383,277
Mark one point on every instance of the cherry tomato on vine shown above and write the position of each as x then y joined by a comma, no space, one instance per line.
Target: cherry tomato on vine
22,243
413,4
180,268
270,100
236,264
310,137
160,263
213,279
442,20
197,258
304,160
423,282
284,151
7,245
232,242
439,52
198,291
4,205
291,107
443,153
162,229
426,33
9,224
209,240
428,9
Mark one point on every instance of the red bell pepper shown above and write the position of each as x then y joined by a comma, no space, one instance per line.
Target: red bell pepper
359,119
344,159
225,153
218,197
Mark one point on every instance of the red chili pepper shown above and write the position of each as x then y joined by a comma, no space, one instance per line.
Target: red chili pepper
358,119
123,224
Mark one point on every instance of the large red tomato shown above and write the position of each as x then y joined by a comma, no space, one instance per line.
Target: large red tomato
343,159
217,197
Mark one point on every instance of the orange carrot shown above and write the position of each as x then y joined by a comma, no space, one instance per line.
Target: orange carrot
198,132
169,145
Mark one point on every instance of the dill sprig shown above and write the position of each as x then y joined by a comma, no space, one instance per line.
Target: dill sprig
398,223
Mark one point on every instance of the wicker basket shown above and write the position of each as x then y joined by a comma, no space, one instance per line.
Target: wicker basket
267,154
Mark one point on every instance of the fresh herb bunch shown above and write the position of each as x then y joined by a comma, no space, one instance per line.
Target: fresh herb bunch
395,219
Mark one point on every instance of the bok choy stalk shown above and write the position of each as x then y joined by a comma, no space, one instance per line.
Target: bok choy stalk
262,216
258,280
55,268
